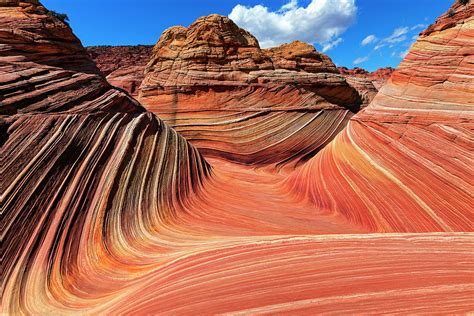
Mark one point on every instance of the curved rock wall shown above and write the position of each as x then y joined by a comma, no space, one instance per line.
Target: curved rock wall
81,163
404,163
214,84
107,210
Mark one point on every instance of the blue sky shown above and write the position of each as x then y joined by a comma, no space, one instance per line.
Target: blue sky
336,26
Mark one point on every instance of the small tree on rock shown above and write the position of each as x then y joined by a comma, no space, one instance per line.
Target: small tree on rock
60,16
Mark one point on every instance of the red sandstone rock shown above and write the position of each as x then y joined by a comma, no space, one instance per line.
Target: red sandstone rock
214,84
123,66
300,56
68,141
378,77
106,210
215,54
45,68
366,83
403,163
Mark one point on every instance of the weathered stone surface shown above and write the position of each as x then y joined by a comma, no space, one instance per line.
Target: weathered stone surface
378,77
366,83
74,152
107,210
123,66
403,164
301,57
45,69
365,87
214,84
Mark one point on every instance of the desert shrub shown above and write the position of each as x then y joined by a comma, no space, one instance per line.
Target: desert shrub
60,16
464,2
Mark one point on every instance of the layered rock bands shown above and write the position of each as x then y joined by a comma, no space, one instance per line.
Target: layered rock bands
107,210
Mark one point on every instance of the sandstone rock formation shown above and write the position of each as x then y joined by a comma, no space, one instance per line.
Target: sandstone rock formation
403,163
79,159
214,84
123,66
107,210
366,83
378,77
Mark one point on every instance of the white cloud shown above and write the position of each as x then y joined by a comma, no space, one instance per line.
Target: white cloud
330,45
400,54
398,35
360,60
368,40
418,26
322,21
379,46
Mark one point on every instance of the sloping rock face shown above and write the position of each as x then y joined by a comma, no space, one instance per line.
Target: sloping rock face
404,163
76,155
123,66
107,211
365,87
214,84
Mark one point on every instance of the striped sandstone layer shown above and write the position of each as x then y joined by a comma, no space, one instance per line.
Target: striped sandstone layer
79,159
405,163
231,99
124,67
109,211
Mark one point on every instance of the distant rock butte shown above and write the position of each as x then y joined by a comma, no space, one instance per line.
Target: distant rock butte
214,54
365,82
123,66
215,73
378,77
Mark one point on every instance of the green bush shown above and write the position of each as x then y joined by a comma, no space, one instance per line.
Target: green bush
60,16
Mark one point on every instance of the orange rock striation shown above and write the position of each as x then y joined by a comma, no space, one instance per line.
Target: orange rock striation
215,86
79,158
110,211
123,66
405,163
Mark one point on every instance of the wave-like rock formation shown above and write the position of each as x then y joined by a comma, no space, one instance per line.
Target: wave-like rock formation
123,66
81,163
405,163
107,210
231,99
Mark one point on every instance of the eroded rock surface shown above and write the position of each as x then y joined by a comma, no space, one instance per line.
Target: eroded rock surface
403,163
107,210
378,77
231,99
76,157
123,66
